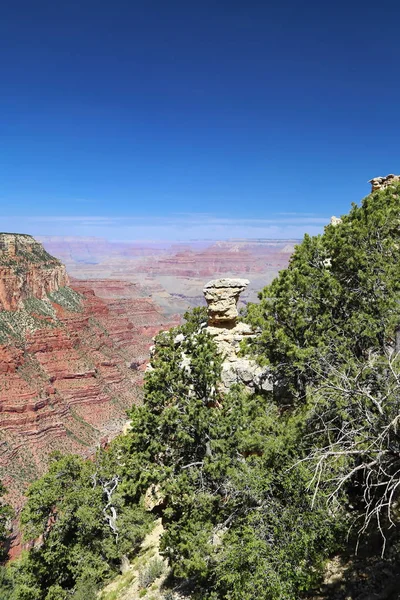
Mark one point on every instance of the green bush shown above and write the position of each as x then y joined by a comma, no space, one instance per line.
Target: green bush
151,572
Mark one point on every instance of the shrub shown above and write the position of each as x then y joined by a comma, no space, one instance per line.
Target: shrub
153,571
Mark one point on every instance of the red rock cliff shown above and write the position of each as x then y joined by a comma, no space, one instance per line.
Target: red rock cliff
27,270
71,360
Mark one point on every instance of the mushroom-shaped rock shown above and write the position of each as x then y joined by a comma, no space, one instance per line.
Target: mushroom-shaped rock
222,296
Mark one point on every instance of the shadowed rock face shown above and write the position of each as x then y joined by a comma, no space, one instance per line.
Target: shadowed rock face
27,270
222,296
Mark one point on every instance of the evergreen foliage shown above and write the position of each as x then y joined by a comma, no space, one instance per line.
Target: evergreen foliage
69,512
337,299
236,506
6,515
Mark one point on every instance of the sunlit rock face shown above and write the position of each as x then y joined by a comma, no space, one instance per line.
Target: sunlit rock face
27,271
380,183
72,356
222,296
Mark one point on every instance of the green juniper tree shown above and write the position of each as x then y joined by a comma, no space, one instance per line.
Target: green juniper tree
82,525
224,467
338,298
6,515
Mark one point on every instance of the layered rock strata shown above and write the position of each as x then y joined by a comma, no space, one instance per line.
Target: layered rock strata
71,361
222,296
174,274
27,270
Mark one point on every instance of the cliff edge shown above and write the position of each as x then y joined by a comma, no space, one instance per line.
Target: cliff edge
27,270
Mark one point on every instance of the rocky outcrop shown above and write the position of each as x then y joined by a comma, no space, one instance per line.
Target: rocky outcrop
27,270
380,183
335,221
222,296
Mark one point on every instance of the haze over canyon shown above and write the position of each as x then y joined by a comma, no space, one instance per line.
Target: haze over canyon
173,274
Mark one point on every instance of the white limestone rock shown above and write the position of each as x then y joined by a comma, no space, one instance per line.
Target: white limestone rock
222,296
178,339
335,221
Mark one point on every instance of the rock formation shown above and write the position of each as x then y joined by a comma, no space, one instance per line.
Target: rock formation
335,221
72,356
222,296
27,270
380,183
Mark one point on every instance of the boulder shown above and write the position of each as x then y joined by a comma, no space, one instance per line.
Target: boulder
335,221
153,498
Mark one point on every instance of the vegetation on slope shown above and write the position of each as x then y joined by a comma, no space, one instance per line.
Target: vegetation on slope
255,492
37,314
339,298
67,298
27,250
83,527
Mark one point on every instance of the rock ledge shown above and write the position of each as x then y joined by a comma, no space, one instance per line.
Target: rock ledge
380,183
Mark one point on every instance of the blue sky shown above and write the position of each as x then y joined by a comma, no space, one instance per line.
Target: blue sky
181,119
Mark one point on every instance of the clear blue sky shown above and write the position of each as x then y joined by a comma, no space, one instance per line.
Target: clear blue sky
127,119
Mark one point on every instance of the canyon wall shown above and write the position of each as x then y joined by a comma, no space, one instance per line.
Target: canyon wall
27,270
71,360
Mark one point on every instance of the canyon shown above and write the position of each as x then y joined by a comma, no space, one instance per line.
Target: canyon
173,274
72,355
75,334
